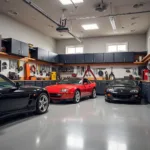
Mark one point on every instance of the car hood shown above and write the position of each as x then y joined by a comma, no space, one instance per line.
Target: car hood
122,86
58,87
31,88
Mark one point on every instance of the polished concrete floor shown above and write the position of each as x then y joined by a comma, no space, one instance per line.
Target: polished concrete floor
91,125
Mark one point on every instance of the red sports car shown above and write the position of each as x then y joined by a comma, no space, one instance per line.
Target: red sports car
72,89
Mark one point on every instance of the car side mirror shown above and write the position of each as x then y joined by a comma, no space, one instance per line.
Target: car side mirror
85,83
18,84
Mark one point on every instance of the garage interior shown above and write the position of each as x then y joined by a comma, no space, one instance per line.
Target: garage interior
44,42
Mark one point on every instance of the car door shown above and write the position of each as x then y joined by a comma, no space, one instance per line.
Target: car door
11,97
88,87
82,88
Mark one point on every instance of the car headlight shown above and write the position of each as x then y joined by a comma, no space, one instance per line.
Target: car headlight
110,90
134,91
64,90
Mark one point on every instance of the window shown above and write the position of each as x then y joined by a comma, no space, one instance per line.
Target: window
117,47
74,49
5,84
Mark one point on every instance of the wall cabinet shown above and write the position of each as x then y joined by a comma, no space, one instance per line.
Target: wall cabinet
52,57
124,57
24,49
101,86
29,83
16,47
79,58
67,59
129,57
61,58
46,83
119,57
145,91
70,59
40,54
108,57
88,58
98,58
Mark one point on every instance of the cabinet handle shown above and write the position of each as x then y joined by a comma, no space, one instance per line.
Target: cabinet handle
19,51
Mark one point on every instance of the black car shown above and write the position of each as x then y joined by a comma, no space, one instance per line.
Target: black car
123,90
16,99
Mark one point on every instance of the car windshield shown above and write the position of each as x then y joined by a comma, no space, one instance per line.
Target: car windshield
71,81
124,82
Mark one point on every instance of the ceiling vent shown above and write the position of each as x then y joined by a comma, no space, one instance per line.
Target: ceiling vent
138,5
101,7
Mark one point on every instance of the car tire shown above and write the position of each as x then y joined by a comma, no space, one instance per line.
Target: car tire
139,102
93,93
42,103
77,96
108,101
51,101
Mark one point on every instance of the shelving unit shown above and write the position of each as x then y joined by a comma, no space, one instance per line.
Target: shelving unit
104,64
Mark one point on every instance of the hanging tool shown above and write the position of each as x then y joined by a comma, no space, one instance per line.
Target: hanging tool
33,69
60,28
89,70
111,76
106,75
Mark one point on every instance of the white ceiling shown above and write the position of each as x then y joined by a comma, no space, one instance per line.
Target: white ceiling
29,16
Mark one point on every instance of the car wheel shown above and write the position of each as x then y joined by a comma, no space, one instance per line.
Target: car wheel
107,100
139,102
77,96
93,93
42,103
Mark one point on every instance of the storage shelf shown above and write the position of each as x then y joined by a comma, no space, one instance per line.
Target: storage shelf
146,58
139,63
105,64
3,54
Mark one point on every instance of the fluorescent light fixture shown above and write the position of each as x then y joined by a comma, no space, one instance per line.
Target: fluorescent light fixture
112,21
90,27
68,2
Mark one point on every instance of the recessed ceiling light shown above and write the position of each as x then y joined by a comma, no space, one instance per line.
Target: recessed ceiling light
68,2
133,23
133,18
7,1
50,26
12,13
33,18
90,27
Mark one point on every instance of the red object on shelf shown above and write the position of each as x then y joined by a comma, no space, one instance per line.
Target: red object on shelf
27,71
145,74
74,75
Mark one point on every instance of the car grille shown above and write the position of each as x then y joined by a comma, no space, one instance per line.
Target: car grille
55,95
121,96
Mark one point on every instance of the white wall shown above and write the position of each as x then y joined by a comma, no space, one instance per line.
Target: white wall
97,45
148,40
19,31
119,72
